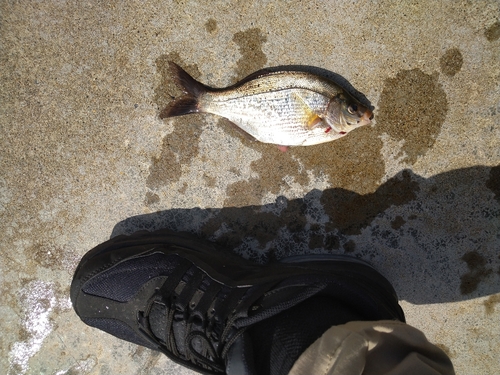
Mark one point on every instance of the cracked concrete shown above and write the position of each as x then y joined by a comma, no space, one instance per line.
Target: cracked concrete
84,156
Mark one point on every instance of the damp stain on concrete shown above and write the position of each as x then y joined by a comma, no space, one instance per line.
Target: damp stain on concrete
478,271
211,25
181,146
350,246
178,148
252,57
398,222
492,33
413,107
350,212
493,182
490,303
451,62
48,256
209,180
352,162
332,241
316,241
446,349
151,198
250,221
242,193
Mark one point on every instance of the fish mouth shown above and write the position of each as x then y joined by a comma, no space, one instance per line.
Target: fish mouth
366,118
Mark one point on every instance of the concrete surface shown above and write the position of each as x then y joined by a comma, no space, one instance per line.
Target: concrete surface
84,156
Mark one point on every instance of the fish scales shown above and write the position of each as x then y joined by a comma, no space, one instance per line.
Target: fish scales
287,108
281,112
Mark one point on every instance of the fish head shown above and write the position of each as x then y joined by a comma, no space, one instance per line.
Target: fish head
345,114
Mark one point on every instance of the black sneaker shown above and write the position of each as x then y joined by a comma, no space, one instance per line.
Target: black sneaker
214,312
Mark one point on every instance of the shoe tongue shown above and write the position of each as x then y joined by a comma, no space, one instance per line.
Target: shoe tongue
240,358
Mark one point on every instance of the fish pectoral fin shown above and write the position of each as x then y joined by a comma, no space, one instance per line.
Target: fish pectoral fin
312,118
313,121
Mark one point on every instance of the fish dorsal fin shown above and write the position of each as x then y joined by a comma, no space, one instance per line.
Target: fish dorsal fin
255,75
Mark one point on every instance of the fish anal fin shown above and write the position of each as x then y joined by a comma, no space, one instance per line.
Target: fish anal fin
247,136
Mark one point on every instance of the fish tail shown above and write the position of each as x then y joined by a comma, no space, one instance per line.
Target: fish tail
188,103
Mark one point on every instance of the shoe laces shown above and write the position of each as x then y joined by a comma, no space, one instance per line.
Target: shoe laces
200,317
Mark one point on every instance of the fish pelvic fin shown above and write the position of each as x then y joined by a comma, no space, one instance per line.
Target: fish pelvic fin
193,89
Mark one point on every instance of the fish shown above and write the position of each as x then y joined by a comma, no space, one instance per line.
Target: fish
281,107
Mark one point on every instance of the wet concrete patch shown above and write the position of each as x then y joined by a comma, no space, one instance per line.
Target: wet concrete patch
451,62
493,182
260,225
253,58
413,107
44,254
352,162
398,222
211,25
492,33
350,246
445,349
180,146
478,271
49,256
350,212
151,198
490,304
243,193
209,180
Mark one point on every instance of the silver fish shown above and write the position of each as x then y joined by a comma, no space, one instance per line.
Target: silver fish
286,108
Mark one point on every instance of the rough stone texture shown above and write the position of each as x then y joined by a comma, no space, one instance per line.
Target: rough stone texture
83,155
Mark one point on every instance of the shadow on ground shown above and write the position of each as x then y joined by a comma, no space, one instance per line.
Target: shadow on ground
435,239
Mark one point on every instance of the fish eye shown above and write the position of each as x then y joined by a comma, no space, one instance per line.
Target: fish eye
352,109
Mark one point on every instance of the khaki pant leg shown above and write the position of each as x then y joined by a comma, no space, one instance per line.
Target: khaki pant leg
373,348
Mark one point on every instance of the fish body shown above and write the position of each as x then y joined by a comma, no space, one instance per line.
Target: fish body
288,108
